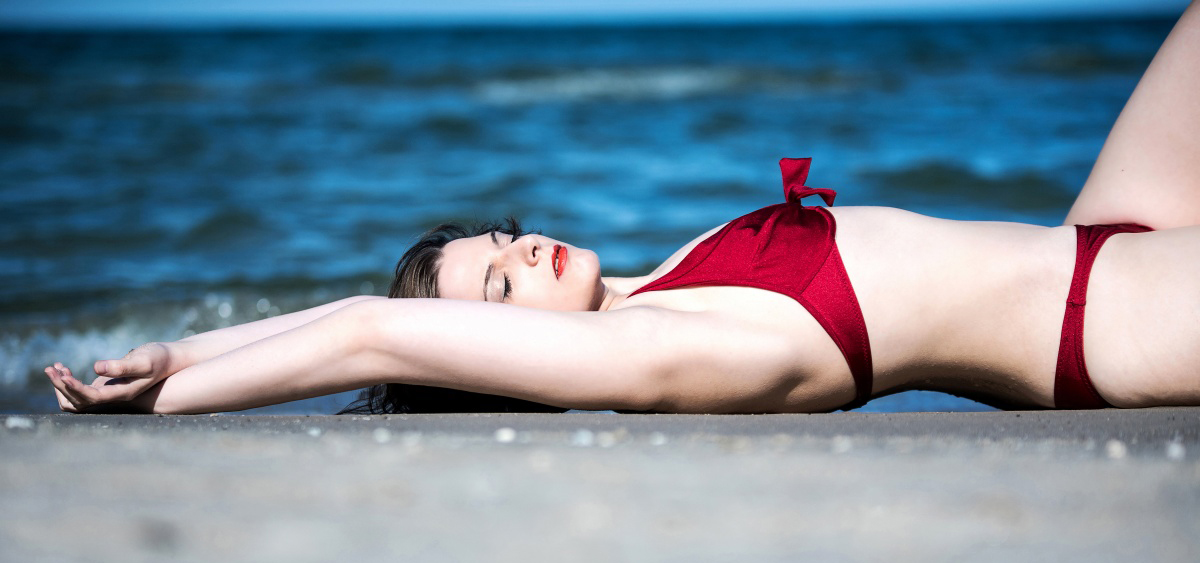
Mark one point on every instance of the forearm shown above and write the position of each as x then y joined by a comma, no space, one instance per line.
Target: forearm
323,356
205,346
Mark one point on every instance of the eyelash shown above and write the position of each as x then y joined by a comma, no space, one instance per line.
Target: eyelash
508,282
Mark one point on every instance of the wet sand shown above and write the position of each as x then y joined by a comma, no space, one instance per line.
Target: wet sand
1097,486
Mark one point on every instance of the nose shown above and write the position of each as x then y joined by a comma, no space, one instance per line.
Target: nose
530,249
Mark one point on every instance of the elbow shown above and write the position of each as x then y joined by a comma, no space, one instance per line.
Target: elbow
369,342
165,407
155,401
644,400
358,327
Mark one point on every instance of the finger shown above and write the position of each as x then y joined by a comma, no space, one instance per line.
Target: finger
86,395
55,378
57,394
138,366
70,380
70,387
81,396
103,390
63,404
65,399
101,380
118,389
126,390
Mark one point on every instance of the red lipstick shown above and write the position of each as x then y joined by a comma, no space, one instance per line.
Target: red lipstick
559,258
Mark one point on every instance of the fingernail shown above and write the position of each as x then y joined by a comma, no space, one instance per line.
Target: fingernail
101,368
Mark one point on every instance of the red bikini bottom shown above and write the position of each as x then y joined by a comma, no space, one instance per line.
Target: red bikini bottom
1073,388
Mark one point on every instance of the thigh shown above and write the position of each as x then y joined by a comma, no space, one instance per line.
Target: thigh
1142,322
1149,169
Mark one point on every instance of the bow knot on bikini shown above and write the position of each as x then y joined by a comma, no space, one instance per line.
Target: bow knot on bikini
795,173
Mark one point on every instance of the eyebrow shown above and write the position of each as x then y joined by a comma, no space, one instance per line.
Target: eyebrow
487,276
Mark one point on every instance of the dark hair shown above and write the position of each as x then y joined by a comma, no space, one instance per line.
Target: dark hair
417,276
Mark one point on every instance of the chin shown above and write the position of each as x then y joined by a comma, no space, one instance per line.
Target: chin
585,291
596,284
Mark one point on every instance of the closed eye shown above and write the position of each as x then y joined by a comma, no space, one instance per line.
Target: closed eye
507,281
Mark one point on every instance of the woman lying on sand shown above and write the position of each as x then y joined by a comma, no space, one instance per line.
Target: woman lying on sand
770,312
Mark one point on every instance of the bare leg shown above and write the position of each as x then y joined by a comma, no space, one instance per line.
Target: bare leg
1149,169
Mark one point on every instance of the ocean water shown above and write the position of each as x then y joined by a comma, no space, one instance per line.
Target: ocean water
154,184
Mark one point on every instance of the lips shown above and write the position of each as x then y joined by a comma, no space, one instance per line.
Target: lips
559,260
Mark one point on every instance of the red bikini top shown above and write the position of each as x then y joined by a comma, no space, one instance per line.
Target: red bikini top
787,248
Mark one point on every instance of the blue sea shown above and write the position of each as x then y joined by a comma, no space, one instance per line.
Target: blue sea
156,184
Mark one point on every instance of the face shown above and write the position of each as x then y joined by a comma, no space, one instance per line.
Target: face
531,271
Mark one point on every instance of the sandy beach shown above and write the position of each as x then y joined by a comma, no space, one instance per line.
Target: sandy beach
1096,486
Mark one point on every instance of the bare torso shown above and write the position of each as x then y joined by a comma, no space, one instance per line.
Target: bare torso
974,308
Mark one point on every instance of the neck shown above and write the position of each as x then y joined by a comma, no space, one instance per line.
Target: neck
608,298
615,290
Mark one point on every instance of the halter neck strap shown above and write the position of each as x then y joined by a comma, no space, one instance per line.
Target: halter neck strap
795,173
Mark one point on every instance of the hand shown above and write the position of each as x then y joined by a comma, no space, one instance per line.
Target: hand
118,381
148,361
73,395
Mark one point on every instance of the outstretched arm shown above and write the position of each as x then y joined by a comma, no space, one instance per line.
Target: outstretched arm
145,366
580,360
207,345
175,356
